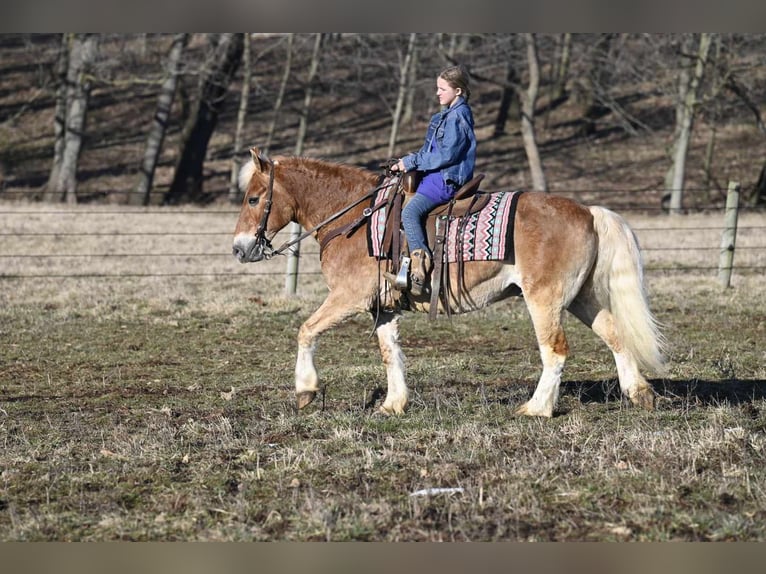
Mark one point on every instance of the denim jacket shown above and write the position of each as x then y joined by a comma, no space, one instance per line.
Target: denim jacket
456,142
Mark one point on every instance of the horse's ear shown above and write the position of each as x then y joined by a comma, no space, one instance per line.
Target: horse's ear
258,161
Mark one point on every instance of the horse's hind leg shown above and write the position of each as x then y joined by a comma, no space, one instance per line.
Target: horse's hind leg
546,318
334,310
387,329
632,383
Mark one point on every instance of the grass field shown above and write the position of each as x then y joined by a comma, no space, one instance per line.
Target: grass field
160,406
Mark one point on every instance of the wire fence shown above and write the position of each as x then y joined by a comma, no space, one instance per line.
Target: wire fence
87,242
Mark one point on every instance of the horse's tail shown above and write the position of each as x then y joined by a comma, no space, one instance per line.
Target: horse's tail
619,285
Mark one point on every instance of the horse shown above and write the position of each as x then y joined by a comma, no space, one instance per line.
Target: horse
568,257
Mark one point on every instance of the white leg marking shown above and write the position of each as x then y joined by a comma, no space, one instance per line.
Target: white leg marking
306,378
393,358
546,394
632,382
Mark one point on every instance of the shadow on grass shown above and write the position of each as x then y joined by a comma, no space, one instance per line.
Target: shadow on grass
732,391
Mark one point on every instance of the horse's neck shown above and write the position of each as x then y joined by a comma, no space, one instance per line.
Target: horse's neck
321,189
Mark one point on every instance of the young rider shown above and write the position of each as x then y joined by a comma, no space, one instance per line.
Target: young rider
447,161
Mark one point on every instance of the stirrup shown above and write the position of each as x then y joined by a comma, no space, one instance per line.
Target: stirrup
399,281
401,278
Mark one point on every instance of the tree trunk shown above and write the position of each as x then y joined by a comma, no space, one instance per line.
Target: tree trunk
409,100
222,64
689,96
234,193
291,277
281,94
142,193
596,85
83,51
509,101
59,119
562,67
708,162
759,194
304,121
529,100
403,76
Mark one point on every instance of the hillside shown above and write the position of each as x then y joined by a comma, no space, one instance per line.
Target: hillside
350,119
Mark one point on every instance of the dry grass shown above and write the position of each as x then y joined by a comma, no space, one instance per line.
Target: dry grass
161,408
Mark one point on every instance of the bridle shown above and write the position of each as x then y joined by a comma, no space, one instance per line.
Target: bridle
260,232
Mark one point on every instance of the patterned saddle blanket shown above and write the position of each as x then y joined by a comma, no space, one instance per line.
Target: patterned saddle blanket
486,235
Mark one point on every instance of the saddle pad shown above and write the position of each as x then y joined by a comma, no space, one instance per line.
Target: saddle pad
376,228
486,235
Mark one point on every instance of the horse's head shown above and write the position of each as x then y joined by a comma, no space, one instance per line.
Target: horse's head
266,209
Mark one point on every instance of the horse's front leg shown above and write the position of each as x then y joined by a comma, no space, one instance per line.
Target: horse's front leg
334,310
387,329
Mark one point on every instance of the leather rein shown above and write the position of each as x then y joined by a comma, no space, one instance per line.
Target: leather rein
260,232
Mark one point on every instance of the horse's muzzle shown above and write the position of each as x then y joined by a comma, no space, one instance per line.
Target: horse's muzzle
249,249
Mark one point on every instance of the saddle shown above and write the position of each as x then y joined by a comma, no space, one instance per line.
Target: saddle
466,201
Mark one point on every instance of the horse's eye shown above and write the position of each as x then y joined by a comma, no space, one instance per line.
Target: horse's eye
252,201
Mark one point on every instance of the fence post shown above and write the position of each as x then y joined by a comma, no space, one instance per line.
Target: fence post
291,276
729,236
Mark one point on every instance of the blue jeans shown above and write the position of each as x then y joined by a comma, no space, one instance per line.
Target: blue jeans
412,221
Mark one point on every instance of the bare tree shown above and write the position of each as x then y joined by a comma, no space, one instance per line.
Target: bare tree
595,84
509,101
401,94
142,192
527,97
59,117
561,69
244,98
291,277
528,102
83,50
688,98
308,95
281,93
412,78
223,60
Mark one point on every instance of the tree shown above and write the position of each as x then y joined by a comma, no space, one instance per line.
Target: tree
404,76
281,93
223,60
291,278
241,115
528,102
595,84
688,98
509,101
73,101
59,117
142,193
561,69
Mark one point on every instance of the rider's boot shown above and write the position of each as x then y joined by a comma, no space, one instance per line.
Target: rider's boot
421,267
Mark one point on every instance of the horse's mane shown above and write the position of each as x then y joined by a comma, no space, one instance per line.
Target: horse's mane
343,180
325,169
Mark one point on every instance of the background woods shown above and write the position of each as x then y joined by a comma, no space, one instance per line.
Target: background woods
674,115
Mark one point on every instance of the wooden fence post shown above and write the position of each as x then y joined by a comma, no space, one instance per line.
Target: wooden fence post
291,274
729,236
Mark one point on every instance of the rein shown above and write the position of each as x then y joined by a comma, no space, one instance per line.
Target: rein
260,231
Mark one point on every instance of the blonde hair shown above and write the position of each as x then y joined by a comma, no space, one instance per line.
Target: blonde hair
457,77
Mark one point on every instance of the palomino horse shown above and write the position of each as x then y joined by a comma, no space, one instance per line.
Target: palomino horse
567,257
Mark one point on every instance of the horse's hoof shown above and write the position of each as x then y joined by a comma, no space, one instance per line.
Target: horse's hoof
644,398
527,411
305,398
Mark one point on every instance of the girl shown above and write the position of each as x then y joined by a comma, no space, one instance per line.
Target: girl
447,159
